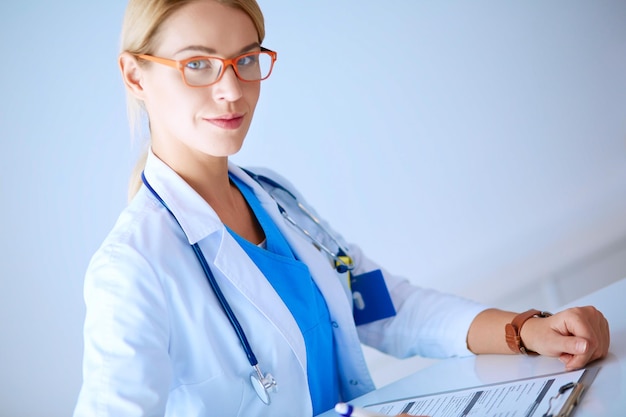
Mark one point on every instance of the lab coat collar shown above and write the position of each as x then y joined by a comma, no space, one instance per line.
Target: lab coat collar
195,216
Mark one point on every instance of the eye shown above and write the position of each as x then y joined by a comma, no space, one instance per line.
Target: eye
247,60
199,64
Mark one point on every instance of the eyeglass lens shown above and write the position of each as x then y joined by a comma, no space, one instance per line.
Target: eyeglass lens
249,67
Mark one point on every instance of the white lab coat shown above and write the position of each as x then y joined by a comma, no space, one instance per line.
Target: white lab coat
157,342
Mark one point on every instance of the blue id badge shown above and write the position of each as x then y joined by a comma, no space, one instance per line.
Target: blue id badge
371,298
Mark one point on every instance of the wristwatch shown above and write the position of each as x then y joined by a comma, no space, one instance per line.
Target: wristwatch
513,331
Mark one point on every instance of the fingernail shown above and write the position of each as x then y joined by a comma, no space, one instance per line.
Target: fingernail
581,346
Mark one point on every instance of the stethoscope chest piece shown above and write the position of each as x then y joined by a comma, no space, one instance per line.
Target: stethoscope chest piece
263,385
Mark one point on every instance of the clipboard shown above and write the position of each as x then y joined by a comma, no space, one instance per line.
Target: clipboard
571,401
550,395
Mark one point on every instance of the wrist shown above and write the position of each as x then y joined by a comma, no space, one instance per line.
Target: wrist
515,329
529,334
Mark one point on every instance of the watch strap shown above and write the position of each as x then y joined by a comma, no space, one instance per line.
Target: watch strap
513,330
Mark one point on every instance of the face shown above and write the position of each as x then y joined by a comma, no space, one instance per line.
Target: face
207,122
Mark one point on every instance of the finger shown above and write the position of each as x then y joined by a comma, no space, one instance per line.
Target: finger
577,352
572,351
590,324
577,336
573,362
575,345
554,342
585,322
565,358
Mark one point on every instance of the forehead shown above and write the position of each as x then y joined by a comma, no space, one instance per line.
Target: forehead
206,23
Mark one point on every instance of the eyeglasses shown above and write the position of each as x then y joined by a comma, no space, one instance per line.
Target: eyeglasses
203,71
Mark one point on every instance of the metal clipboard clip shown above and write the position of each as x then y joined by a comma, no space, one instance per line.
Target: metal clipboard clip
571,401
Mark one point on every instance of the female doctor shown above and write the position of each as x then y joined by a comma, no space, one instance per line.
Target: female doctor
205,299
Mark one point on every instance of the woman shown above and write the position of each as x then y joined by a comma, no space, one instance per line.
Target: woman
158,341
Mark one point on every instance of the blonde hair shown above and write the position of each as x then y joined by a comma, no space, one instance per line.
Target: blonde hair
140,29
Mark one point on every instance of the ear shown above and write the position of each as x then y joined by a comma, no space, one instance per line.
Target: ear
132,74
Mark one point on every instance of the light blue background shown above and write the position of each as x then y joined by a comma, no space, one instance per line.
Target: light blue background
453,140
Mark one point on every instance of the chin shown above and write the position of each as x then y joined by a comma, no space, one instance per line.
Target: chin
226,151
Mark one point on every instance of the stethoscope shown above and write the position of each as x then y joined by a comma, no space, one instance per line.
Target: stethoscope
343,262
262,383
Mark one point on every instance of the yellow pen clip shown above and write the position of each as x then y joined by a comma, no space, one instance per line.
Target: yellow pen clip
344,261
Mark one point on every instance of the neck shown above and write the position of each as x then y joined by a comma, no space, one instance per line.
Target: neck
206,174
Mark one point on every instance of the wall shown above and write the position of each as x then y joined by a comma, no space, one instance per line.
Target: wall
477,148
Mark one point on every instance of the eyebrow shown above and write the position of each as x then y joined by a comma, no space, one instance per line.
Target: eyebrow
211,51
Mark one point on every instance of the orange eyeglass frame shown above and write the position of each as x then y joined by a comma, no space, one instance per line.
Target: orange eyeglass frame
228,62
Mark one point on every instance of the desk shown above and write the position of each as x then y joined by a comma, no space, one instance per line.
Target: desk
606,396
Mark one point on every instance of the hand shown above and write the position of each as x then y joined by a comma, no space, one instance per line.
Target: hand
576,336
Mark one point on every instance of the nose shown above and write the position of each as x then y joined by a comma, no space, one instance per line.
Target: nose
228,87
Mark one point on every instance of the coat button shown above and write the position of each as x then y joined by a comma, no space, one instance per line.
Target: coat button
354,382
334,324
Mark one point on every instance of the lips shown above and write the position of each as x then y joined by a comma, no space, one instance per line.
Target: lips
228,121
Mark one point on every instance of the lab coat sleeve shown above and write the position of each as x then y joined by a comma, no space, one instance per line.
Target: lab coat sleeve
428,323
126,370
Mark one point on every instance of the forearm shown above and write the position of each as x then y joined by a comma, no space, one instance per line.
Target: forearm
486,333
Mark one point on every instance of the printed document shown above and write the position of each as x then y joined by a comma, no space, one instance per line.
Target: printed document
531,397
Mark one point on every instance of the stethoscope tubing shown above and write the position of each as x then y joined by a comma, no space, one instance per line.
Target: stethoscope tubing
213,283
261,383
343,263
226,306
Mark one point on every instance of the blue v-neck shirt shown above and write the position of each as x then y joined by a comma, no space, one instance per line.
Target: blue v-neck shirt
293,282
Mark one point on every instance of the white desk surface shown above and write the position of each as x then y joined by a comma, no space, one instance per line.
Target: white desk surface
605,397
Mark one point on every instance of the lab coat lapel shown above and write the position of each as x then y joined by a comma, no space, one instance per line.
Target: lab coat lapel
254,286
205,228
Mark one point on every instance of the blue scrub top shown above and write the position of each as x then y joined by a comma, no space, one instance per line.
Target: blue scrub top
293,282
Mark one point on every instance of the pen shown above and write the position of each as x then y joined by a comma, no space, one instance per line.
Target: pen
347,410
